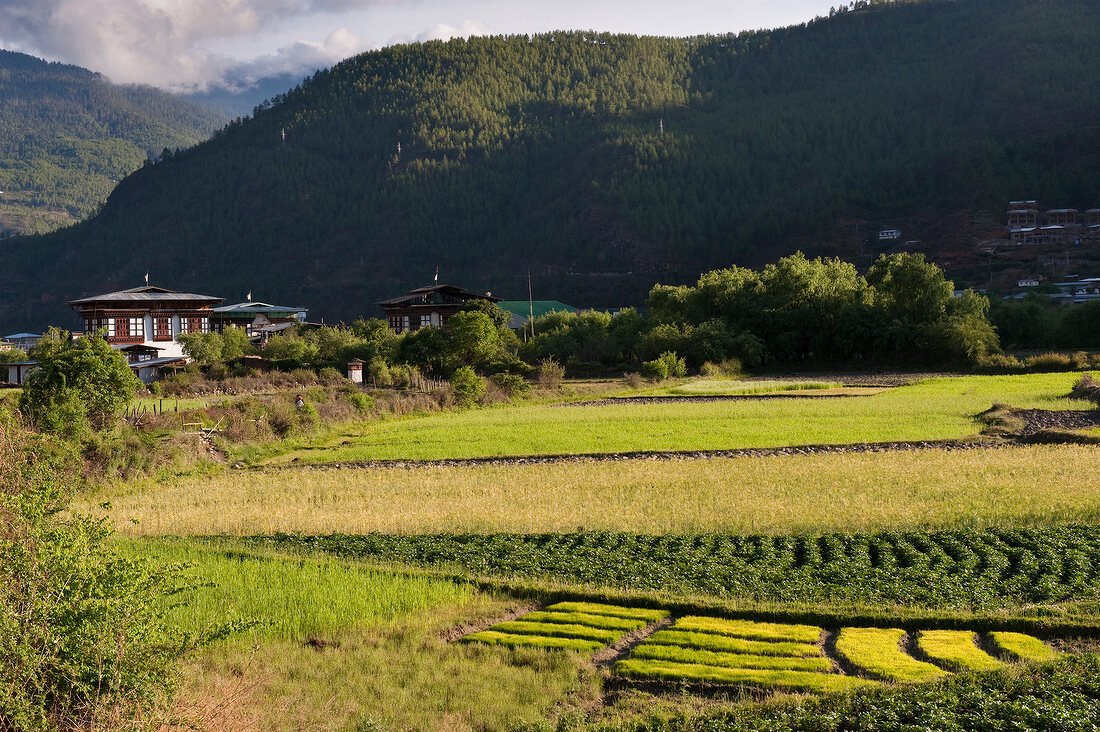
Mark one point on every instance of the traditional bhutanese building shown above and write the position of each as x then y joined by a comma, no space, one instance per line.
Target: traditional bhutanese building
427,307
150,316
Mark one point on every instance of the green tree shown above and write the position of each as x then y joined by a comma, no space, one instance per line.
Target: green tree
236,343
77,385
473,339
205,348
909,289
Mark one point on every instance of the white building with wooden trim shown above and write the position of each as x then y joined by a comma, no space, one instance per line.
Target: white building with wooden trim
149,316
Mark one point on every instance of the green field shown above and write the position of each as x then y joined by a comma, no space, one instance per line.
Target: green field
359,604
940,408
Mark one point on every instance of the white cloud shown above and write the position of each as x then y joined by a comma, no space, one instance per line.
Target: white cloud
159,41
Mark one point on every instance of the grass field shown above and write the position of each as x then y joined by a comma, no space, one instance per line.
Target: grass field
291,597
1036,485
383,656
941,408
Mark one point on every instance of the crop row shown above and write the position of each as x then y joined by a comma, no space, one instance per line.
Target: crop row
976,569
769,655
572,626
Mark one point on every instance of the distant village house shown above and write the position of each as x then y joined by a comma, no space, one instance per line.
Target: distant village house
428,307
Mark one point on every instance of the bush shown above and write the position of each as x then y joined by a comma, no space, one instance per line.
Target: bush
550,374
728,368
511,385
467,386
1088,389
664,366
1050,362
77,386
83,639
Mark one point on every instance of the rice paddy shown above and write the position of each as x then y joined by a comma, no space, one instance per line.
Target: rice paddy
956,650
294,598
877,651
1023,647
940,408
812,493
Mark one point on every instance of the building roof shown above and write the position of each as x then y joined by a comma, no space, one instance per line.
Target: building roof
435,294
523,308
245,308
148,293
21,336
520,310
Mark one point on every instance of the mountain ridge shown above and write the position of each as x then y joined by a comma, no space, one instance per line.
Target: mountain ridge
605,163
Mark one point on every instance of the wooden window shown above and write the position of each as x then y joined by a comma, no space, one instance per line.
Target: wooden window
425,321
162,328
395,323
194,324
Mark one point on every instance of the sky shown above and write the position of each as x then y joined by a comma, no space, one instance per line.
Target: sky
191,45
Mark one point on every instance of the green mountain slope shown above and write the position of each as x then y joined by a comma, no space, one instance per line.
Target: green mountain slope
604,163
67,136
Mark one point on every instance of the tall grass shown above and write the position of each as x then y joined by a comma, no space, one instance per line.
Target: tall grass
294,598
1017,486
940,408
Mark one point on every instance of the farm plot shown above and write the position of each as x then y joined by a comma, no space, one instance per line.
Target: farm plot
936,409
979,569
769,494
790,658
877,651
714,650
1023,647
581,627
956,650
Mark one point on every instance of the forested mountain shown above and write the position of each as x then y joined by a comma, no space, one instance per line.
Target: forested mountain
604,163
67,136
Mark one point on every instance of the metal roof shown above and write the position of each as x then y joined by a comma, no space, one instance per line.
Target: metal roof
148,293
541,307
259,307
453,289
21,336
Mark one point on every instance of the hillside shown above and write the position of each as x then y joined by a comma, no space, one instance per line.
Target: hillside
67,136
605,163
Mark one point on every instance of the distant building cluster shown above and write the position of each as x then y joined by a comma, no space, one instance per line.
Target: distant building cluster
145,323
1026,223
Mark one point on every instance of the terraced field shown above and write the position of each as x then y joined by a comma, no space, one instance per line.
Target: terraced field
795,657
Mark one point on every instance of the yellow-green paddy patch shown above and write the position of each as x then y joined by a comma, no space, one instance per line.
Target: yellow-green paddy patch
855,492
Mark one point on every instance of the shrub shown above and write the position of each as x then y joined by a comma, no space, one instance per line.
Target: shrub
361,401
1087,389
511,385
83,638
77,386
550,374
729,368
634,380
664,366
467,386
1050,362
